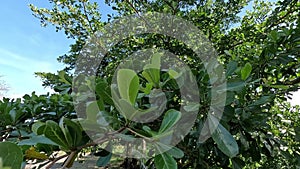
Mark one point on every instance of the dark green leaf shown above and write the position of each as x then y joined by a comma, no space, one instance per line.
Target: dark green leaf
231,67
165,161
55,134
225,141
104,160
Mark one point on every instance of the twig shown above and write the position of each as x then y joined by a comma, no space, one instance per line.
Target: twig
87,17
55,160
136,133
70,159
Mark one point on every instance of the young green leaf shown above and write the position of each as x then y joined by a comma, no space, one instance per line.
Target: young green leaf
128,85
246,71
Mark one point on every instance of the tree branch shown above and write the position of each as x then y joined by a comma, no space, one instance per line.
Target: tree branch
87,17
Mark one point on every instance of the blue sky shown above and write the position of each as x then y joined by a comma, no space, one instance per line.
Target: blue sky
26,47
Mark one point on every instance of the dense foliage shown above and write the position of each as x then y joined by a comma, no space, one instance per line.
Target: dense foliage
258,129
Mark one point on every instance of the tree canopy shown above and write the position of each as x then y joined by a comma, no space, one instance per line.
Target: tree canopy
258,49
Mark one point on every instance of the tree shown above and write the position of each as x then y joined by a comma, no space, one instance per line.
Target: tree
259,52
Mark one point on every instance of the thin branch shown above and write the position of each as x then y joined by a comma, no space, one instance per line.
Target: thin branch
55,160
87,17
70,159
138,134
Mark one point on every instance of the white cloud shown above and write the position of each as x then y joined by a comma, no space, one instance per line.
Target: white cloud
23,63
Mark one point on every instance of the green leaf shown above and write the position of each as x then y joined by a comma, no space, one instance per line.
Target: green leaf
55,134
225,141
237,163
75,131
235,86
165,161
40,139
127,109
191,107
262,100
38,127
128,84
92,111
104,160
11,155
104,91
176,152
246,71
152,71
297,134
170,119
66,132
231,67
173,73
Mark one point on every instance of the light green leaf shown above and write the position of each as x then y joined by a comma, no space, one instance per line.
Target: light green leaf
11,155
92,111
128,84
246,71
152,71
173,73
170,119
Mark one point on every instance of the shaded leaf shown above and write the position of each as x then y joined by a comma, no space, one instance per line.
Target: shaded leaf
165,161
